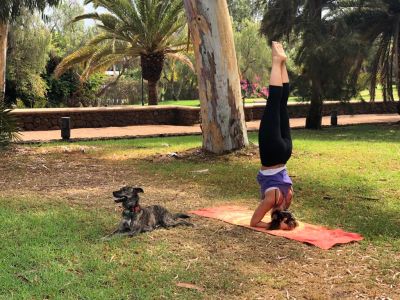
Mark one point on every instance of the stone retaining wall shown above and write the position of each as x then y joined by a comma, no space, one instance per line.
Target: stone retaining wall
49,118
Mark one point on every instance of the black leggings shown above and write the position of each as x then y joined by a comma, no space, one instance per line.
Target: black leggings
274,139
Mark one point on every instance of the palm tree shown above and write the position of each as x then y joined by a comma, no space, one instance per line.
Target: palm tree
149,30
377,23
9,10
319,36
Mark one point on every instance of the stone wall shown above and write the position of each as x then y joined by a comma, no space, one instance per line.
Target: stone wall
49,118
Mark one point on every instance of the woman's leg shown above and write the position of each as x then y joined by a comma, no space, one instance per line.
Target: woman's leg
284,116
271,145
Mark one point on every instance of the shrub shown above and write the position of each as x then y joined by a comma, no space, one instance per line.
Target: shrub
8,127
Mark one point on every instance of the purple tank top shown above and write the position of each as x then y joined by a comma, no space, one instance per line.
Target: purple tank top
280,180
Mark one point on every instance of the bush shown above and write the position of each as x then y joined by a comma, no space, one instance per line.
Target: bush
8,127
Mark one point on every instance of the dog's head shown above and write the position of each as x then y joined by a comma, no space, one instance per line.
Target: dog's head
285,216
128,196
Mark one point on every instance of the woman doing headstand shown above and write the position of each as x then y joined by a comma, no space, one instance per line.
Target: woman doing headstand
275,144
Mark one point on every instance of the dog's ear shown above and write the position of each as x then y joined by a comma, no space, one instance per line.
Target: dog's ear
138,190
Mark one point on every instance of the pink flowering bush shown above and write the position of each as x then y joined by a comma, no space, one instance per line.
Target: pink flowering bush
253,89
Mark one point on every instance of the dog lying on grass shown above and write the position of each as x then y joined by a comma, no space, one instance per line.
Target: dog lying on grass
137,219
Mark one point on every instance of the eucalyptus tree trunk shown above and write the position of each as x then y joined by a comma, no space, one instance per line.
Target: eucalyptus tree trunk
3,58
222,113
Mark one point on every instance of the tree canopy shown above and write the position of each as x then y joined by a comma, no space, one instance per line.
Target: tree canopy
10,9
147,30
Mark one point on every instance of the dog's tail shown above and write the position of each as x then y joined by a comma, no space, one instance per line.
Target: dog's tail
180,215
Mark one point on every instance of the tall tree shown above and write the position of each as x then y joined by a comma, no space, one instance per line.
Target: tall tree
377,23
324,48
28,52
242,10
253,53
9,10
67,36
133,29
281,18
223,123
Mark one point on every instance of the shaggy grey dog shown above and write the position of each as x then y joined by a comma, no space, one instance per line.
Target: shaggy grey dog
137,219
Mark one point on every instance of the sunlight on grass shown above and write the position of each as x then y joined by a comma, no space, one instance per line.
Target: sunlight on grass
345,177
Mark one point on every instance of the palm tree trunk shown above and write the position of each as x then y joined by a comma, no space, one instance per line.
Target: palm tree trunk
152,89
223,124
3,58
314,116
396,59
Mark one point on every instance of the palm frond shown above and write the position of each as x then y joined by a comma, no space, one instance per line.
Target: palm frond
130,29
92,16
182,58
79,56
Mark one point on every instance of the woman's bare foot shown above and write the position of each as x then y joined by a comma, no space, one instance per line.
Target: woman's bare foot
278,54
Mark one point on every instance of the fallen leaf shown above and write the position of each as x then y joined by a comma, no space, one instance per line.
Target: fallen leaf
190,286
201,171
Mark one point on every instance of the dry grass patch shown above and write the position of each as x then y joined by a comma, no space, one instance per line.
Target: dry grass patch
56,204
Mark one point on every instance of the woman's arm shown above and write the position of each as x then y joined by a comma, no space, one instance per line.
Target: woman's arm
289,197
264,207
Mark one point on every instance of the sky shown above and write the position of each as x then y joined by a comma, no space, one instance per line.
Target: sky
89,8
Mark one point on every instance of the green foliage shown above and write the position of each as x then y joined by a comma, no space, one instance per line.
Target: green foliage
60,90
86,95
126,90
328,56
179,81
244,10
11,9
376,24
149,30
67,36
252,52
8,127
28,49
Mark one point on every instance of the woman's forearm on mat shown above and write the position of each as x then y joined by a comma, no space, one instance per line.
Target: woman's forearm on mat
263,225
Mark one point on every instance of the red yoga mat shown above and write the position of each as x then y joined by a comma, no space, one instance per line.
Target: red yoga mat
319,236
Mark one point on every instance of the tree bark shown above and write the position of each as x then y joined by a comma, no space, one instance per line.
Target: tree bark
152,88
223,122
3,58
314,116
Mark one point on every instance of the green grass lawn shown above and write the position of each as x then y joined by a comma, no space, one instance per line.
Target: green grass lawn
56,204
196,103
378,94
364,95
